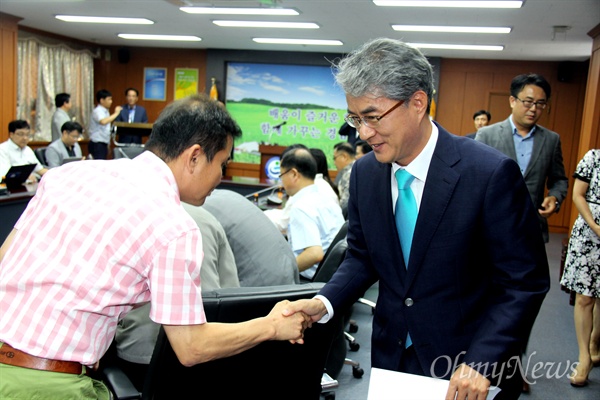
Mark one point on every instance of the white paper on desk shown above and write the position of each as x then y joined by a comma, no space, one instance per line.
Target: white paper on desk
392,385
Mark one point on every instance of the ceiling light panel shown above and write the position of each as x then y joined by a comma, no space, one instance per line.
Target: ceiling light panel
449,4
180,38
451,29
266,24
318,42
456,46
239,11
104,20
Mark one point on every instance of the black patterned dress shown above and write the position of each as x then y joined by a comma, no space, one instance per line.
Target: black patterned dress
582,264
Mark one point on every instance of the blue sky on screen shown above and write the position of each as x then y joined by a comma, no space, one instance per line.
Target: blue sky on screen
284,84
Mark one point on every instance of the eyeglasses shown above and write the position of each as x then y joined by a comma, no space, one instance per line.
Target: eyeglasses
372,121
23,134
280,175
540,105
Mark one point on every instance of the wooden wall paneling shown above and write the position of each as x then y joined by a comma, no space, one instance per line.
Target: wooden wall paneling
498,105
590,125
116,76
8,71
474,100
450,110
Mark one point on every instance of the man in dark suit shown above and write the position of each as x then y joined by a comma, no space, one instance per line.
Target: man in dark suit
481,118
536,149
461,304
132,113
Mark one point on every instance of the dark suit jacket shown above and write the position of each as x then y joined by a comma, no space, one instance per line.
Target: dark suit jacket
478,268
545,167
139,116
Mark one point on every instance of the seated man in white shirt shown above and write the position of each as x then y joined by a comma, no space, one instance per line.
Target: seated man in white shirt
66,146
16,152
314,218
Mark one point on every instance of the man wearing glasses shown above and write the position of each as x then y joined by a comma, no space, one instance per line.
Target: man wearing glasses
444,224
536,149
15,151
65,147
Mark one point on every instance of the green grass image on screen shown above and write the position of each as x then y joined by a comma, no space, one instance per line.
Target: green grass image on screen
311,125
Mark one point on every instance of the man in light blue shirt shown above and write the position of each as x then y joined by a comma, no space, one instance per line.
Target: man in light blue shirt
314,218
100,125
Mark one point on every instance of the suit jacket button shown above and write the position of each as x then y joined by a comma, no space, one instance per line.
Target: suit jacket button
409,302
400,342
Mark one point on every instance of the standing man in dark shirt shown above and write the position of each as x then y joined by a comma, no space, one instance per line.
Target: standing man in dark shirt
132,112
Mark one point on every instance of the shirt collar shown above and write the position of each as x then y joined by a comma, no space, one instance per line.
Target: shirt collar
419,167
516,132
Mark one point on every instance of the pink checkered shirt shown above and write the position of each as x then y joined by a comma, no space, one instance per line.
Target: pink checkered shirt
98,238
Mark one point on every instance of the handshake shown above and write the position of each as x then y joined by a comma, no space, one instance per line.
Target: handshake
290,319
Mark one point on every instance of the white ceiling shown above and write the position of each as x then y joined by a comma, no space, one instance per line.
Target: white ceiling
351,21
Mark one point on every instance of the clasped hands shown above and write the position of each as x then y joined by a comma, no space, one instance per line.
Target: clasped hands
291,319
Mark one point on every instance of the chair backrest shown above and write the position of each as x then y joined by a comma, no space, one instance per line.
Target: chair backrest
40,153
331,262
128,151
271,370
319,275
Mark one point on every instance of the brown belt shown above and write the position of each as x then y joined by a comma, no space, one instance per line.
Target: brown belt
11,356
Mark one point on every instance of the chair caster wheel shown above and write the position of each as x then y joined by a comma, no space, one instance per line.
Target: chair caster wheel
352,327
357,372
354,346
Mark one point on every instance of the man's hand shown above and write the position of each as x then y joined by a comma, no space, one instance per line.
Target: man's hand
466,383
548,207
118,110
288,327
313,309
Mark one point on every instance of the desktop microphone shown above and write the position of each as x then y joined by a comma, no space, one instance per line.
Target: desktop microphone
280,125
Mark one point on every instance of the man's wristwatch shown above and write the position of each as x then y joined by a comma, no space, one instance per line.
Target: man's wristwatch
557,205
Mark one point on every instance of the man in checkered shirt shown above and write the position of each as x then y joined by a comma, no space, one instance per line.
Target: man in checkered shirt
101,237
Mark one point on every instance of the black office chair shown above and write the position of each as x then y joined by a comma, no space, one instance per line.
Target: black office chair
271,370
40,153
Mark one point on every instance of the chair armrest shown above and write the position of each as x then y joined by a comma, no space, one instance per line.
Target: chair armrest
367,302
120,384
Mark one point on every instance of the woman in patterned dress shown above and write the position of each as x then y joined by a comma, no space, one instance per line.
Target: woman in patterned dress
582,265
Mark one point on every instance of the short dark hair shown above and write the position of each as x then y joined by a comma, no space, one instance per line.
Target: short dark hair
345,147
102,94
482,112
71,126
61,99
302,160
192,120
17,124
364,146
520,81
134,89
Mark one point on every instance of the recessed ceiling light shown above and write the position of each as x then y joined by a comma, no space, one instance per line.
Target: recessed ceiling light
159,37
456,4
104,20
321,42
451,29
239,11
457,46
266,24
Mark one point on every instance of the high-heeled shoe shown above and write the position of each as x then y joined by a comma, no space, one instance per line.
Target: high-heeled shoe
596,360
579,379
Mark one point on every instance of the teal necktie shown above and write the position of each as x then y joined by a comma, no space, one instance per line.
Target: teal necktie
406,218
406,212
